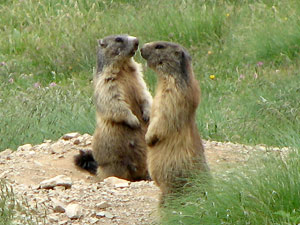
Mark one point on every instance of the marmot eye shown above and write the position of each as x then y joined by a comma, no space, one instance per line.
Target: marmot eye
159,46
119,39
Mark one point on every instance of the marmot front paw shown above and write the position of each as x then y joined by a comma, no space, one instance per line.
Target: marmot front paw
133,122
146,116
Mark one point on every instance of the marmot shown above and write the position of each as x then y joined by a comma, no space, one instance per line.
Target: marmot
123,105
174,145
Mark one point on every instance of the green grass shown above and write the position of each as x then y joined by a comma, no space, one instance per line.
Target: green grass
251,46
35,114
6,214
263,192
16,211
48,42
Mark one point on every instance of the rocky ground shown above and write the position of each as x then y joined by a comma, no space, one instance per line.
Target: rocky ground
53,191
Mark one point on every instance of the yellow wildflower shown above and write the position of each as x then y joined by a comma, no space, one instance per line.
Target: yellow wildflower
227,14
209,52
212,76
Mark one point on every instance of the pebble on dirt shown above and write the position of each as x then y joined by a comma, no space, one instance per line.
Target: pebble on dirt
70,136
60,180
74,211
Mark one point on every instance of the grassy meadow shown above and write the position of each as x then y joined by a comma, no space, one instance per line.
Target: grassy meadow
245,56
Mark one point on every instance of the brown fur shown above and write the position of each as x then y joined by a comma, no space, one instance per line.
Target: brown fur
174,144
123,107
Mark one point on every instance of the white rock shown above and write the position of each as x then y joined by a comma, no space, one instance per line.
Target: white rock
86,136
59,188
43,146
100,214
34,187
26,147
53,218
6,152
102,205
63,222
73,211
104,214
116,182
93,220
70,136
109,215
60,180
122,185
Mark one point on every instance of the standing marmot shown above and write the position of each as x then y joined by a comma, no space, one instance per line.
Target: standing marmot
174,144
122,109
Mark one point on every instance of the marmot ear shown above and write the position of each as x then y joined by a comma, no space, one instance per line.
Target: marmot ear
185,63
101,43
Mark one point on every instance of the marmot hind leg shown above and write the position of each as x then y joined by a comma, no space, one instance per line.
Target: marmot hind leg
120,169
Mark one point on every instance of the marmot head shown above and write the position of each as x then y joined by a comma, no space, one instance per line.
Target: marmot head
167,58
115,49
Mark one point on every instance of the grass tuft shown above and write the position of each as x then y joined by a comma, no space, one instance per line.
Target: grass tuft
264,192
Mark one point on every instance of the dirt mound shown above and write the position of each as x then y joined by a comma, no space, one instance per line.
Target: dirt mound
112,201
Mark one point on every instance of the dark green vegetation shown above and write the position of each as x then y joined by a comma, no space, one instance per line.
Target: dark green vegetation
6,195
17,210
263,192
252,48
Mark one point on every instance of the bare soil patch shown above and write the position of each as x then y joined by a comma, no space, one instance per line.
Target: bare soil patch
132,203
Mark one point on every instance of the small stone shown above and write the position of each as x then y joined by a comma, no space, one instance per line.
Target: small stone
53,218
104,214
6,152
262,148
102,205
100,214
88,142
76,141
86,136
26,147
58,206
116,182
108,215
35,187
70,136
59,188
122,185
63,222
60,180
73,211
93,220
